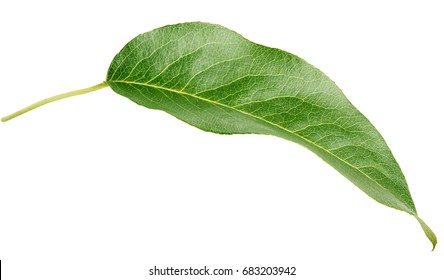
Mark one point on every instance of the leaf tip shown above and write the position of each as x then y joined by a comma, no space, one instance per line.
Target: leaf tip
428,232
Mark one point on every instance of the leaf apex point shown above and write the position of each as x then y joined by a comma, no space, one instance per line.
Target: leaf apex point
428,232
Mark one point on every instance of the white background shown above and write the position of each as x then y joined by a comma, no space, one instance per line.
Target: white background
96,187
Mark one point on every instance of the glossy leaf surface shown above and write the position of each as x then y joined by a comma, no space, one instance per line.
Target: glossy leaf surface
218,81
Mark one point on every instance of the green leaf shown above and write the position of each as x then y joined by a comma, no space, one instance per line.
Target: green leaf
218,81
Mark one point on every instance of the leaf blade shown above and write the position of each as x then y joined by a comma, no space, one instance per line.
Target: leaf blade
218,81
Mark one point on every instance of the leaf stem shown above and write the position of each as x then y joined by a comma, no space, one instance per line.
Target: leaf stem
54,98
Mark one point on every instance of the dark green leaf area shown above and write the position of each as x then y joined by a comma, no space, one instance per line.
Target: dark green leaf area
218,81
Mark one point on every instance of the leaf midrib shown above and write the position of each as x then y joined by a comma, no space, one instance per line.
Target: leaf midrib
270,123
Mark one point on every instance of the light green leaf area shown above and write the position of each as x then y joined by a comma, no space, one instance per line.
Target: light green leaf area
214,79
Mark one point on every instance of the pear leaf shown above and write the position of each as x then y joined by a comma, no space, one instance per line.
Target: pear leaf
216,80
